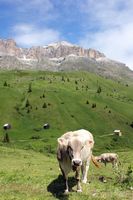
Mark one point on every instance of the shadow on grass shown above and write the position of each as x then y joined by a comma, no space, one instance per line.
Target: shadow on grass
57,186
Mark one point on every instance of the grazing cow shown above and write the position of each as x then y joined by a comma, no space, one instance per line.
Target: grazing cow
108,158
46,126
75,152
6,126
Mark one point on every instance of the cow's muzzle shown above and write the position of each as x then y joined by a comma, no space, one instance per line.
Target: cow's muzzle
76,162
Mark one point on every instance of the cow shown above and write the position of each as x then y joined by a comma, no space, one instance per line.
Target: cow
108,158
74,152
6,126
46,126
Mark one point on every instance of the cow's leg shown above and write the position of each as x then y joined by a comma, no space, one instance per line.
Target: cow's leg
85,168
65,176
104,163
77,176
66,184
114,164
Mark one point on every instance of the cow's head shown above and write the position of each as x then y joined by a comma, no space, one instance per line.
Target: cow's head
98,158
74,150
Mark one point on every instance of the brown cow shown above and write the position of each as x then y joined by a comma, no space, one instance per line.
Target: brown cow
74,152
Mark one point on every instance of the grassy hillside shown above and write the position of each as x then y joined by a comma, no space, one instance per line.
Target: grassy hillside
33,176
67,101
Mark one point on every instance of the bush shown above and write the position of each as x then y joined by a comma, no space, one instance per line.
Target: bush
99,90
87,102
29,88
44,105
131,124
94,105
5,84
27,103
63,79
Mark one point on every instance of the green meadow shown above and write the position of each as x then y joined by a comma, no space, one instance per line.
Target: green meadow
67,101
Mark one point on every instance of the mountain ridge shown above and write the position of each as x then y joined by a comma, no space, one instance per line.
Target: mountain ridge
60,56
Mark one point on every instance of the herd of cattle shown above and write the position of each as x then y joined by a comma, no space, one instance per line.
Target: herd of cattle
74,152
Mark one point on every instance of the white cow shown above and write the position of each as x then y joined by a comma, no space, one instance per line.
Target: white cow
75,152
108,158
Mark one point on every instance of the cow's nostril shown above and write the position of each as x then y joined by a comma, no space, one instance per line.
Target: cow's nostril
77,162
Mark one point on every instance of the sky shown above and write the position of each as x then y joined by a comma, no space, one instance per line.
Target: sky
105,25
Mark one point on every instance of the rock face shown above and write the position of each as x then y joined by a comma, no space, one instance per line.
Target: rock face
55,50
9,47
60,56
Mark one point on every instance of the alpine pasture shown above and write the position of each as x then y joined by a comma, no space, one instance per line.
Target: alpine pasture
67,101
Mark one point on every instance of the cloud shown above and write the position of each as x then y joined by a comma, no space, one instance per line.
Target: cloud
28,35
111,28
116,43
40,7
35,10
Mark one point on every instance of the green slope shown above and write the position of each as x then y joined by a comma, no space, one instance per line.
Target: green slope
32,176
65,96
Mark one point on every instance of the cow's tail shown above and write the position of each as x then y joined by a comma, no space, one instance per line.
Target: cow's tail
95,161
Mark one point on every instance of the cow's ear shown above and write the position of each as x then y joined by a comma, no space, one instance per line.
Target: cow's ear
60,141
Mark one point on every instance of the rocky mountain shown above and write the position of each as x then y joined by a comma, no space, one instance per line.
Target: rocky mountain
60,56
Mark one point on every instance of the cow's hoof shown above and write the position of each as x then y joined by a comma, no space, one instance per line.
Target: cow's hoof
84,181
79,190
66,192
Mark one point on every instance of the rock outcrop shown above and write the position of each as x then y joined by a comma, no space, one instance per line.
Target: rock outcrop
60,56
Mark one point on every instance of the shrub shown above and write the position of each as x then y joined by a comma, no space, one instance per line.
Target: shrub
87,102
27,103
94,105
63,79
44,105
5,84
131,124
99,90
29,88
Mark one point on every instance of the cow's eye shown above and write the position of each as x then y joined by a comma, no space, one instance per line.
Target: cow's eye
70,152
